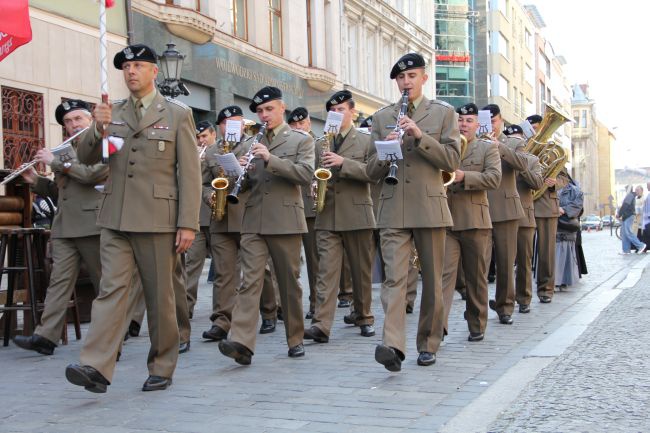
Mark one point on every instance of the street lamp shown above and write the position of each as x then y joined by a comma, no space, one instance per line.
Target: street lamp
171,65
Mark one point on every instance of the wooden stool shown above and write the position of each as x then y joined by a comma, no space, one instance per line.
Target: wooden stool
20,262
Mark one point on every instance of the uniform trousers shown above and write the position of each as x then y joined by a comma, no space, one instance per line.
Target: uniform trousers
412,281
195,260
284,250
504,237
360,251
67,256
153,255
524,278
545,269
469,247
396,250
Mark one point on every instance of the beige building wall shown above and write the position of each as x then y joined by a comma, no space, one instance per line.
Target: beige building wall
606,171
585,166
62,60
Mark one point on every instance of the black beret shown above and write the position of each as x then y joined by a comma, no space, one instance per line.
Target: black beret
367,123
513,129
535,118
494,109
298,114
338,98
470,108
202,126
406,62
137,52
229,111
265,95
68,106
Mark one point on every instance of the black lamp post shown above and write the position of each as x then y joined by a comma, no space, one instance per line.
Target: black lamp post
171,65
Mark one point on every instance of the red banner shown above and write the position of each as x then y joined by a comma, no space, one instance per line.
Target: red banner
15,28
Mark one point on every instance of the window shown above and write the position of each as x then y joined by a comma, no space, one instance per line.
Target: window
371,72
275,20
387,60
352,53
529,41
576,118
542,93
309,47
523,107
239,19
516,95
529,76
503,47
22,126
500,86
583,119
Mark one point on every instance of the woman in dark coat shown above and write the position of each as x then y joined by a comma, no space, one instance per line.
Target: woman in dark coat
566,260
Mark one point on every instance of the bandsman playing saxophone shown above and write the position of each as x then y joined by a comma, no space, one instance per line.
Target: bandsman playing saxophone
345,223
469,238
414,208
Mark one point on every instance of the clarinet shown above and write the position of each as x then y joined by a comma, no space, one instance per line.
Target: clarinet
233,196
391,179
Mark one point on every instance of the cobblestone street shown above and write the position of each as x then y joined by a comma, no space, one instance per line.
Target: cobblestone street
597,384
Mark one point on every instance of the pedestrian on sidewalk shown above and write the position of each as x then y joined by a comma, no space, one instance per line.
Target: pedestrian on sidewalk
645,218
566,263
627,213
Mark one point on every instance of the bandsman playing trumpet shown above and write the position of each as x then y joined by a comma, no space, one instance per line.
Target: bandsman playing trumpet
272,226
414,208
345,223
469,238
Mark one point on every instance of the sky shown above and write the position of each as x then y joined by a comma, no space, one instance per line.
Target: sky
607,45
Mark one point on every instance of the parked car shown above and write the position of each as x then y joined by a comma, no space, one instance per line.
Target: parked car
592,222
607,220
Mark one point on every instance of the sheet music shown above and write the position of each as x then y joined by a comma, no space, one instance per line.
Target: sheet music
388,150
230,164
233,131
484,122
333,122
528,129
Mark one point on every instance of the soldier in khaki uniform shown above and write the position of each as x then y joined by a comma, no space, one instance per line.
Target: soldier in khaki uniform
415,208
225,238
200,249
469,238
527,182
75,235
149,215
272,225
346,223
505,211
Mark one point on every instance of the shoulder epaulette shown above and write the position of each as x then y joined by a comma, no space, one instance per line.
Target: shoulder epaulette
443,103
118,101
177,102
363,131
301,132
383,108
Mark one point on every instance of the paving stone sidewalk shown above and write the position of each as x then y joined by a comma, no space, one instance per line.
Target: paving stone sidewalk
336,387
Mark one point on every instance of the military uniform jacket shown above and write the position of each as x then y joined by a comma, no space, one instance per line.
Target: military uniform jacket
275,205
154,184
419,199
75,194
527,182
468,200
504,201
348,204
231,222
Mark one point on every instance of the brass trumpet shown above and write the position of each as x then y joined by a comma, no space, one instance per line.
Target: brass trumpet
449,177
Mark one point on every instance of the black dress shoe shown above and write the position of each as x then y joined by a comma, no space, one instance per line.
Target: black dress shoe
134,328
388,357
156,383
524,308
492,278
296,351
545,299
492,304
240,353
279,314
350,319
506,319
315,333
475,336
184,347
309,315
86,376
426,358
367,330
36,343
268,326
344,303
215,333
409,309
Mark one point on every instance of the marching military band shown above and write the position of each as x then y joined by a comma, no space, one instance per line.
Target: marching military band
162,210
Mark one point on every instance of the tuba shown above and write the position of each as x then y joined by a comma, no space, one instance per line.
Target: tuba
552,156
322,174
220,186
449,177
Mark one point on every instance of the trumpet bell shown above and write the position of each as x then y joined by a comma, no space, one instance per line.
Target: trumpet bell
448,178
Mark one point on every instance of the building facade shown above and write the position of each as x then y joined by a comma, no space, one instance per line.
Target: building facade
585,153
606,171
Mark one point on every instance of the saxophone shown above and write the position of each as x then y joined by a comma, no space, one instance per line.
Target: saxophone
322,174
220,186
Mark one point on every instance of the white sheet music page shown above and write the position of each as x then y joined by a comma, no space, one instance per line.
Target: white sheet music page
230,164
388,150
484,122
333,122
233,131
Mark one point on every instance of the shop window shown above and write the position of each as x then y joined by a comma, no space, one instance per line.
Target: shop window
22,126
